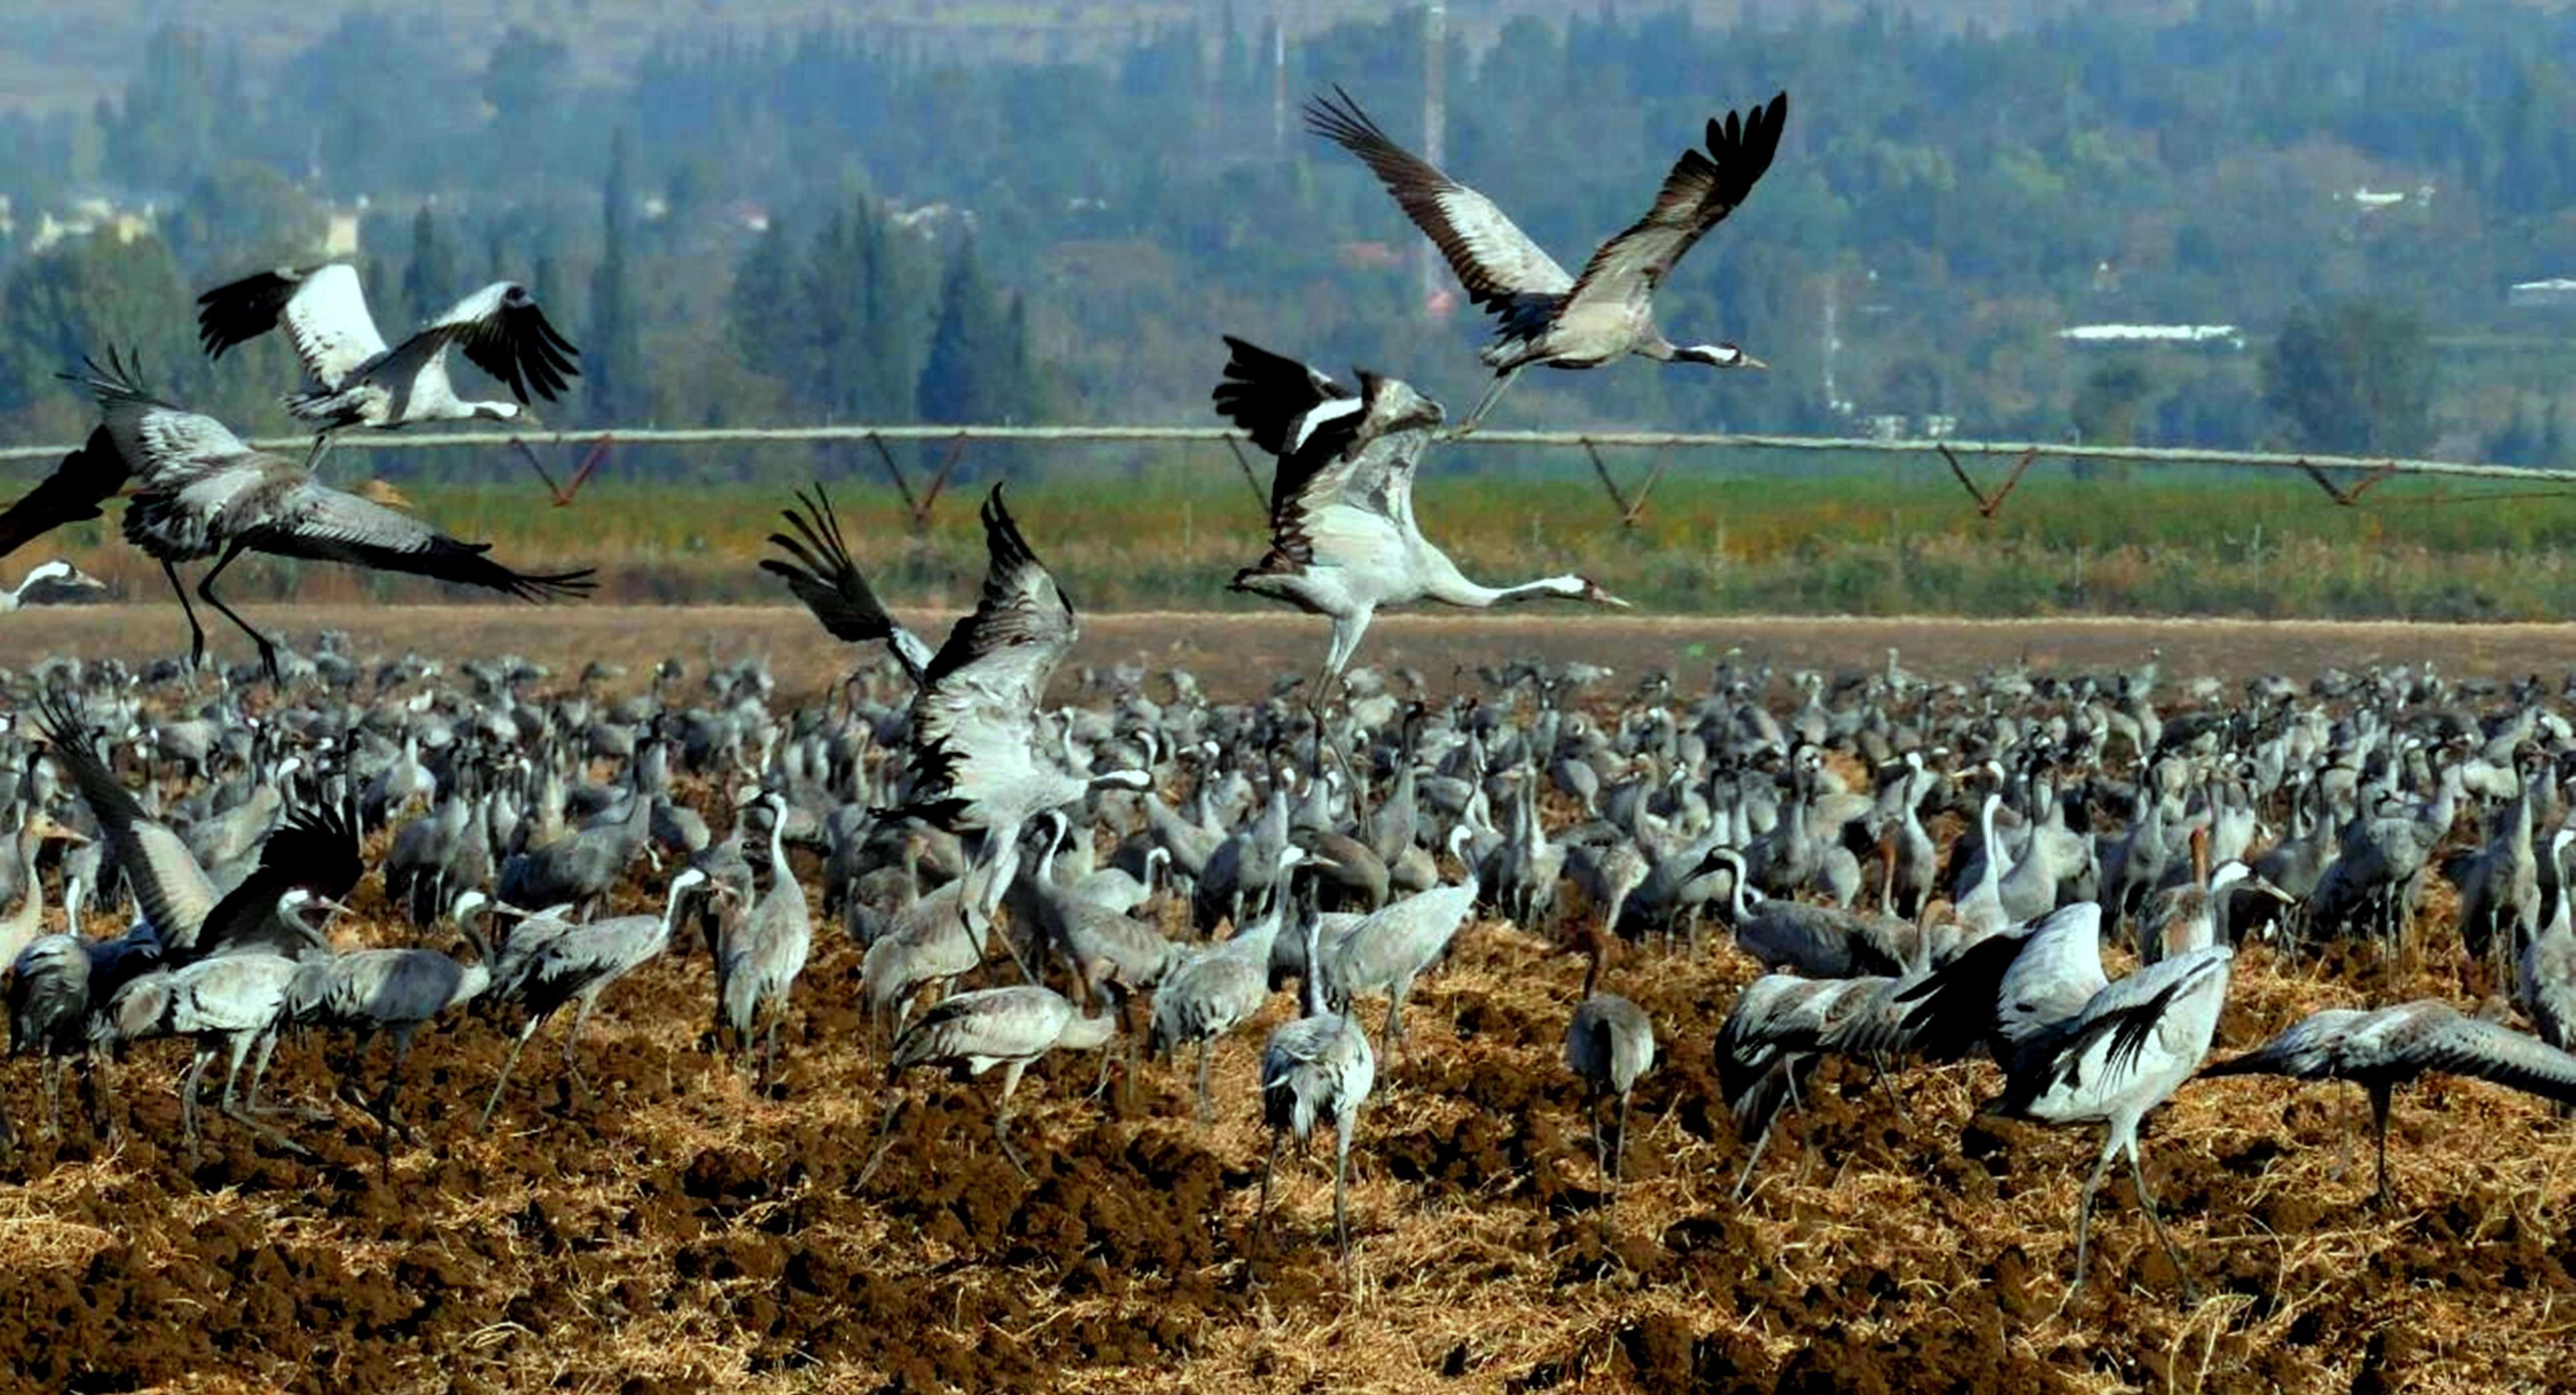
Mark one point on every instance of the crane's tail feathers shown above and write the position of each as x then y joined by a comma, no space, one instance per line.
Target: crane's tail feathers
115,383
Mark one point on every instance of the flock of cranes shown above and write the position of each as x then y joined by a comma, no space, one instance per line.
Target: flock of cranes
1345,846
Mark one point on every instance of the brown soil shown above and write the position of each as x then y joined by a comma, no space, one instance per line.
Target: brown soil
1238,655
684,1234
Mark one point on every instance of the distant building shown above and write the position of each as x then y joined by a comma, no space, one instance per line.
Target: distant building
90,216
2184,336
340,234
2556,293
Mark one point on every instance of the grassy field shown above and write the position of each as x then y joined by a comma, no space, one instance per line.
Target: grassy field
1168,535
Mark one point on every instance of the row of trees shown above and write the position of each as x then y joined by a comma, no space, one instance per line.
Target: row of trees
828,222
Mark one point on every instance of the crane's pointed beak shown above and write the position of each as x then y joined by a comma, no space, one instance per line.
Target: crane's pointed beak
1749,361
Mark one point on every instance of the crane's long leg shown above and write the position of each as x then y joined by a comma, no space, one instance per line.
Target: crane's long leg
1261,1210
386,1107
259,1081
1207,1101
2147,1203
1619,1149
2379,1097
188,1085
241,1046
572,1053
1485,404
885,1137
53,1097
206,593
1744,1179
2084,1216
1342,1130
535,1021
1002,1115
196,631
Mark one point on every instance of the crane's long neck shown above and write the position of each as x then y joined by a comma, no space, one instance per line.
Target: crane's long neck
779,871
1454,588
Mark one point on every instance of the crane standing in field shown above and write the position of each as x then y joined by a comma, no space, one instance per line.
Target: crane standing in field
1316,1070
574,966
763,951
1548,317
1007,1027
393,991
1343,540
203,491
359,380
1609,1043
2125,1052
2384,1048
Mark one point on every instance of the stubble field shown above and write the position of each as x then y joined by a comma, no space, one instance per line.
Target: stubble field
684,1233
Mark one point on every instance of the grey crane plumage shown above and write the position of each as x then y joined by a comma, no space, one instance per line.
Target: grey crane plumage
1344,542
574,965
228,1005
2383,1048
762,952
204,492
1315,1070
1219,988
2120,1055
2545,976
1546,316
1390,948
1007,1027
973,750
53,985
391,991
1609,1043
359,380
171,889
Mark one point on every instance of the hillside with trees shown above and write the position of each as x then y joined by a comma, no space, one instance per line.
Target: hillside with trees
844,223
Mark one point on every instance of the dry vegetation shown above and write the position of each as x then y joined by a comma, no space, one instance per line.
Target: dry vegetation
686,1235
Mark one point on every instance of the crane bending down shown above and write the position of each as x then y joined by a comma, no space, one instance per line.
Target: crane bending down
2384,1048
974,1032
203,492
973,750
574,965
357,379
393,991
1343,539
1547,316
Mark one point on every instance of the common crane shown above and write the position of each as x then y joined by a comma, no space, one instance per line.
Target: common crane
54,984
203,492
973,750
1315,1070
1389,948
1007,1027
763,951
2383,1048
1223,986
357,379
574,966
1546,316
228,1005
51,583
2121,1055
1609,1043
393,991
1343,539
